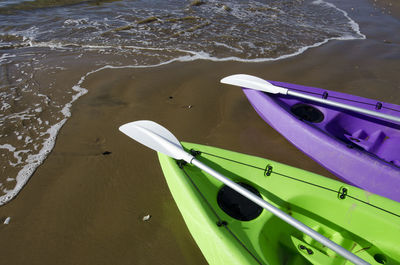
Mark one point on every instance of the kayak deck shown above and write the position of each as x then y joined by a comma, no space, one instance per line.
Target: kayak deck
361,150
374,135
364,223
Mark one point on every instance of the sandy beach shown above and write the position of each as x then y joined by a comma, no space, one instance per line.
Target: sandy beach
86,203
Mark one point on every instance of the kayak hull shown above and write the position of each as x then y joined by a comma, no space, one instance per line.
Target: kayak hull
361,150
366,224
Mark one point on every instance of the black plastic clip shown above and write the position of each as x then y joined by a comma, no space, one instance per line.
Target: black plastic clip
221,223
378,105
181,163
268,170
325,95
342,193
309,251
194,152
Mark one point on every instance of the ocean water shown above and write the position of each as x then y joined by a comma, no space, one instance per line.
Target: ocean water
48,48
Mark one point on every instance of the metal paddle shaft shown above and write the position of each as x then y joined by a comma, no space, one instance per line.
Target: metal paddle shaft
161,140
344,106
256,83
282,215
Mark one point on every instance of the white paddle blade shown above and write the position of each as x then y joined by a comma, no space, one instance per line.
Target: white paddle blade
156,137
253,82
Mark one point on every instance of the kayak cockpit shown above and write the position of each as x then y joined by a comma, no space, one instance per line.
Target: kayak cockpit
382,141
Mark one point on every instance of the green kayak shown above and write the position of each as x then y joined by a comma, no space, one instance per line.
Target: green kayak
230,229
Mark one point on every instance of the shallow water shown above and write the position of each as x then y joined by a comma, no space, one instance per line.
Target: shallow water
42,42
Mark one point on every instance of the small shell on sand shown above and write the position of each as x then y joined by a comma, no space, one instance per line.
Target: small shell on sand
146,218
7,220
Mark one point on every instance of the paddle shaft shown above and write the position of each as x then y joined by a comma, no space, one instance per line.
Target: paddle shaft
280,214
344,106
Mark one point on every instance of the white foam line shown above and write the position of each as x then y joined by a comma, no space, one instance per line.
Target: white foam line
33,161
206,56
197,55
352,23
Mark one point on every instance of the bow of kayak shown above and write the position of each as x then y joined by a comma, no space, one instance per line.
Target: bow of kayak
361,150
229,229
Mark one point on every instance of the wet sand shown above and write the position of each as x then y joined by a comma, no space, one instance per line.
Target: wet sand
85,204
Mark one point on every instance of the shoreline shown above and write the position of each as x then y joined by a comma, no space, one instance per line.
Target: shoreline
86,202
37,159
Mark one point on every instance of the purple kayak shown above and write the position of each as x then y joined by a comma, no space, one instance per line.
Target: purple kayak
363,151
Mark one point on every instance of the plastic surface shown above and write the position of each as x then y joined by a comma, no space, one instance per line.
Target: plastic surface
253,82
365,224
361,150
